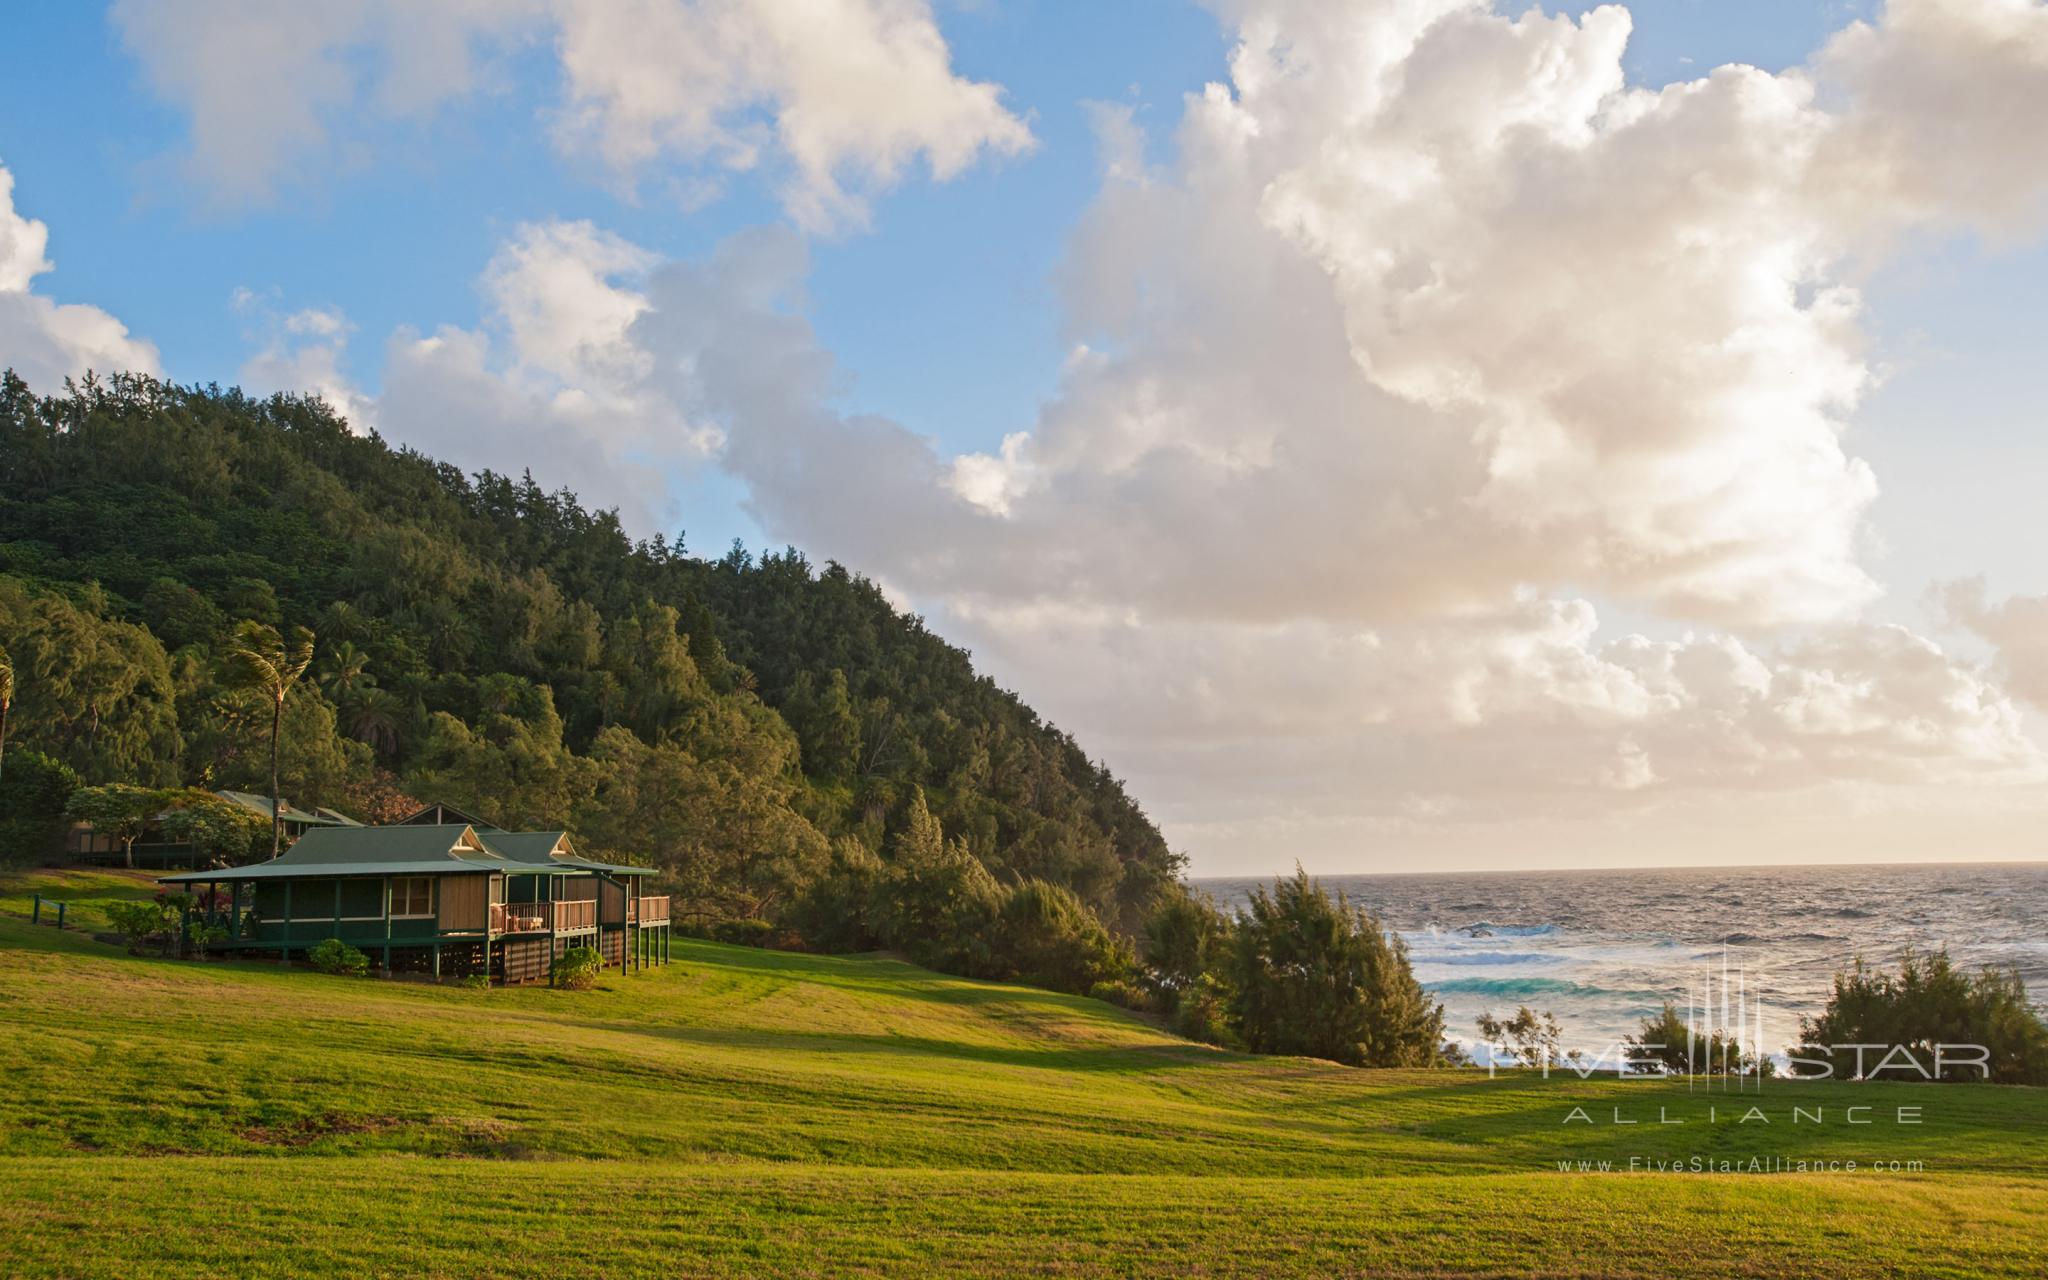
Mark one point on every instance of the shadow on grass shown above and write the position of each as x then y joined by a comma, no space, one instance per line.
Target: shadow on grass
865,971
1116,1060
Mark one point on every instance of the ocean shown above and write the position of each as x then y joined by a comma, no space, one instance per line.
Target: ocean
1603,949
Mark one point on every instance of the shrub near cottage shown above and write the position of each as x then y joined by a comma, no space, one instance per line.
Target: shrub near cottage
336,956
577,968
153,923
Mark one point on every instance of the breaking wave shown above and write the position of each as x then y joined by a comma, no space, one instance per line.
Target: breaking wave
1487,957
1522,987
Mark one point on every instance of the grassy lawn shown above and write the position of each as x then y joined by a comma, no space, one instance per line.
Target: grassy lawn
747,1111
85,891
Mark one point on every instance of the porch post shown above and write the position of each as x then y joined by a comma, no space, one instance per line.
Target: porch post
387,925
284,940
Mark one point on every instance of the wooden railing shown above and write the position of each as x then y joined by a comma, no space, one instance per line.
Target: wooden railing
521,917
653,910
543,917
573,914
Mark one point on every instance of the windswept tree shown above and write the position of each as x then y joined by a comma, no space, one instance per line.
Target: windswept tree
940,904
1673,1043
94,691
259,658
1316,976
1529,1037
1929,1004
6,702
1184,938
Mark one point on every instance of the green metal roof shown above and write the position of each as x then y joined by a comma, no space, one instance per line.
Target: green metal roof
285,809
373,851
527,846
386,844
552,849
603,868
403,850
278,870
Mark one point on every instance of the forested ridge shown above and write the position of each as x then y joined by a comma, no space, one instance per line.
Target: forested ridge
773,735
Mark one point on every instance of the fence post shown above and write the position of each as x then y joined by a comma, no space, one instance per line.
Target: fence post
60,913
35,913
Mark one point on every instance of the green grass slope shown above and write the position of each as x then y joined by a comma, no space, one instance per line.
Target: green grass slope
748,1112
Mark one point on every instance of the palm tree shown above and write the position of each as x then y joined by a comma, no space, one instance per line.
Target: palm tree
372,717
347,674
258,658
6,701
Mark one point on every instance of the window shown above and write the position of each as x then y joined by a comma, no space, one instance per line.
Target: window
412,896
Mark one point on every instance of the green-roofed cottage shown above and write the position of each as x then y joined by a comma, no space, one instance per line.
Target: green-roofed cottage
155,849
440,899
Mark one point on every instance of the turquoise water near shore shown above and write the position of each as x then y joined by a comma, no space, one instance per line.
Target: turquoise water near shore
1604,949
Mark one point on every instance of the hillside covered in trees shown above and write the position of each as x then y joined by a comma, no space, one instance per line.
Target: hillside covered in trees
775,737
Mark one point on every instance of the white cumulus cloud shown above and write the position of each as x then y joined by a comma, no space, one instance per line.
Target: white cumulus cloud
550,381
44,341
1431,332
835,98
1432,324
2016,628
846,93
303,352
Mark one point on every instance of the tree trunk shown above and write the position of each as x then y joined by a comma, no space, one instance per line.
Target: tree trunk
3,737
128,852
276,725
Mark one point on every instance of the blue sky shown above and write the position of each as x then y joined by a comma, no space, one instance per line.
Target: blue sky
943,314
1209,540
